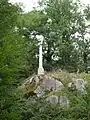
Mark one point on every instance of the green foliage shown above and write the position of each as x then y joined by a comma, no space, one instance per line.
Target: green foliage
8,16
12,62
32,20
79,107
29,25
85,77
62,24
11,56
39,109
30,51
10,109
64,76
66,20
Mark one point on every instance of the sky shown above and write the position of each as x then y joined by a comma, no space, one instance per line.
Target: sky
29,4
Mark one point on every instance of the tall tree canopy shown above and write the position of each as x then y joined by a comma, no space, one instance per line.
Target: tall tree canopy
63,25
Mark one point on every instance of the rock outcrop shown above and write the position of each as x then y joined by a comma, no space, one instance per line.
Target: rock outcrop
45,86
51,88
48,85
78,84
61,100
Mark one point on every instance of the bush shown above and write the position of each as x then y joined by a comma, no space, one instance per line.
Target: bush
39,109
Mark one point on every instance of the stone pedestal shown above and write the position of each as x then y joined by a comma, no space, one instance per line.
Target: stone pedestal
40,71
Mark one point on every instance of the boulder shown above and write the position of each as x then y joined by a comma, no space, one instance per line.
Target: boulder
48,85
61,100
78,84
53,99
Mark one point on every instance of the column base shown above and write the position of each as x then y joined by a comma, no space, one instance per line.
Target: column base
40,71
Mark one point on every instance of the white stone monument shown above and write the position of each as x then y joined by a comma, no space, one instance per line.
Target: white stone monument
40,69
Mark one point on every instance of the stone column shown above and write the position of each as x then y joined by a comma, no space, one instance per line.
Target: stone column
40,69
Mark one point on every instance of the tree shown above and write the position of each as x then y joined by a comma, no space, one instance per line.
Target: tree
12,62
30,25
8,16
67,21
62,24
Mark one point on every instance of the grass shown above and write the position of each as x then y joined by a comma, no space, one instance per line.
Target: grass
63,76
